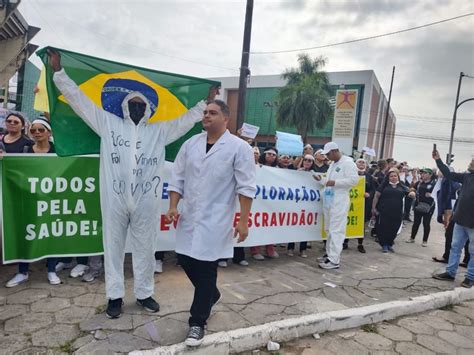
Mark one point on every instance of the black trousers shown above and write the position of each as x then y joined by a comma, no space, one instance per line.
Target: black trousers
448,234
407,207
203,276
303,246
426,217
239,255
360,241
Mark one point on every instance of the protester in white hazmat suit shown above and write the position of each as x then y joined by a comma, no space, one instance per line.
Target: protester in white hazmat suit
341,177
132,153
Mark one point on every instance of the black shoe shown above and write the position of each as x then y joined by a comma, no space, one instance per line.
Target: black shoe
114,308
467,283
195,336
149,304
361,248
345,246
463,264
444,276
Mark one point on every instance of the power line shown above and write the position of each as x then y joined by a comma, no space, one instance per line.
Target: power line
123,43
366,38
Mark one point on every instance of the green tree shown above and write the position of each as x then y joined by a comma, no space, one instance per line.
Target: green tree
304,100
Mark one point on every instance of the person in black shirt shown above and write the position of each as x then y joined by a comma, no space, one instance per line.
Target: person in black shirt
284,162
320,165
423,188
15,140
388,206
463,218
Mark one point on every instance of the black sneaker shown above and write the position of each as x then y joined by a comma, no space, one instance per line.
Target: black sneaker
114,308
195,336
361,248
149,304
443,276
467,283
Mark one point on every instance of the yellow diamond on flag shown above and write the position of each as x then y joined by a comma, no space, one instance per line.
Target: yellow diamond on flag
168,108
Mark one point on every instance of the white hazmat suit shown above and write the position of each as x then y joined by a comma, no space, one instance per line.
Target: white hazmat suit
336,203
131,162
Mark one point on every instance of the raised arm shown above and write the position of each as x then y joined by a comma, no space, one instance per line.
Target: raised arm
445,170
92,115
175,129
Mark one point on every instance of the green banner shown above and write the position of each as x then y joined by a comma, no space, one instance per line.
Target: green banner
50,207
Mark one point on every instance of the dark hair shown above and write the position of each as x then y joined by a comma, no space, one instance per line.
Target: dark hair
262,160
222,105
381,164
21,118
389,160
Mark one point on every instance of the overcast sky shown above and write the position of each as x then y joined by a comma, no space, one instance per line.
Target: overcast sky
204,39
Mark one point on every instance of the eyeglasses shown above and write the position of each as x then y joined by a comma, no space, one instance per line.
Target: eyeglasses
311,160
40,130
13,122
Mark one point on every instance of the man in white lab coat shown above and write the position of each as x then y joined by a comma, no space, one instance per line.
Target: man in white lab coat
132,154
212,170
341,177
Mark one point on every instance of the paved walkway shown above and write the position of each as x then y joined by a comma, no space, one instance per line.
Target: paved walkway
446,331
36,316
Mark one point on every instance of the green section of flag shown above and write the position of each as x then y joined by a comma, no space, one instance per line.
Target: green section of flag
72,136
51,207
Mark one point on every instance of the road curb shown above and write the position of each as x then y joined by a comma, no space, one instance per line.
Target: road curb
246,339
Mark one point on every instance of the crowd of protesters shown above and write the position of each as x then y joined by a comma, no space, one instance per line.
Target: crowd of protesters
393,192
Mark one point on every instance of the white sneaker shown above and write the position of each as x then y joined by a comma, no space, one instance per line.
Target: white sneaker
62,266
275,255
17,280
78,270
424,244
328,264
222,263
158,266
53,278
244,263
291,253
259,257
303,254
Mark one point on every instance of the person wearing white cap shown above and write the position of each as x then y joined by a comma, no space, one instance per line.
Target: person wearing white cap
341,177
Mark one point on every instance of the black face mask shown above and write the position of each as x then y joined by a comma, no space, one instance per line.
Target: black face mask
136,110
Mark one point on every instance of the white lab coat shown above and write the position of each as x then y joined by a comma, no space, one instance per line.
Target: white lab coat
209,185
336,205
131,162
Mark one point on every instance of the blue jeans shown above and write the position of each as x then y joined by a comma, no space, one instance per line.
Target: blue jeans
460,236
51,262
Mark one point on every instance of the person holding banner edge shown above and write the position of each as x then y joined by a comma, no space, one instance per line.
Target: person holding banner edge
131,159
41,132
341,177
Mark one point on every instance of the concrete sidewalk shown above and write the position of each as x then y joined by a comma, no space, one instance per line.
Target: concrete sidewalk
444,331
36,316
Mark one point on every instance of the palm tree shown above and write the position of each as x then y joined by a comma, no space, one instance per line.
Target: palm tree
304,100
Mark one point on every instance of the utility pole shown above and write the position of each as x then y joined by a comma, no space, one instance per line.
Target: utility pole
244,64
453,126
386,116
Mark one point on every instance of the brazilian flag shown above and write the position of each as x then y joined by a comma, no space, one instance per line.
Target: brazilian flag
98,78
